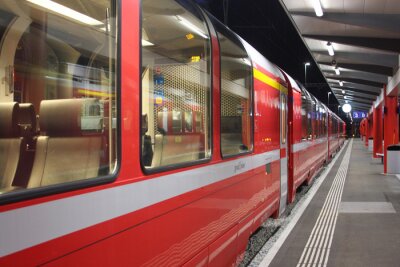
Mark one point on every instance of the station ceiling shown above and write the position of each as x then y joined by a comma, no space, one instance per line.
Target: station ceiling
364,34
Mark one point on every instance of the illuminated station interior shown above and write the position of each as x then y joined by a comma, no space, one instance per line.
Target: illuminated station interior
200,133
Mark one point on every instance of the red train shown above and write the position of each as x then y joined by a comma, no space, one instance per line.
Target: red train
168,153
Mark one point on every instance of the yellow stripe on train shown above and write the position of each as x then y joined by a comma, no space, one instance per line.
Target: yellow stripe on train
269,81
94,93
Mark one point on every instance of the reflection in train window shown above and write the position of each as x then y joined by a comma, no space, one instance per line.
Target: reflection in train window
306,115
236,74
57,102
176,84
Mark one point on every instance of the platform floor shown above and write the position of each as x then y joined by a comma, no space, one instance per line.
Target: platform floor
353,220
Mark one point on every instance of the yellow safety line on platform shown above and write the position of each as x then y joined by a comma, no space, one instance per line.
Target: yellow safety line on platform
269,81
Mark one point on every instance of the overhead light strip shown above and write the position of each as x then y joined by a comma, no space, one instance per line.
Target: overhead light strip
66,12
317,8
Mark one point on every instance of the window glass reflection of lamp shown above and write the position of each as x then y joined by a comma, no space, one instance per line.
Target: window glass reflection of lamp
66,12
337,71
330,49
191,26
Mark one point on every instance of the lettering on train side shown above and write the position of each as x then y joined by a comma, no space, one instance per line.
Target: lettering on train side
240,166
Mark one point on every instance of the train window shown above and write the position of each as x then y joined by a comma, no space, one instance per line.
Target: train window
323,121
58,98
283,119
176,84
236,103
306,115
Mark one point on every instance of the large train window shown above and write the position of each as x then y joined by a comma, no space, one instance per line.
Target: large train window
58,92
236,103
176,84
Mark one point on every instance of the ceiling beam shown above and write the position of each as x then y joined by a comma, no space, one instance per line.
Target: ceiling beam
383,70
380,59
358,75
355,91
369,98
367,106
355,80
369,103
385,44
333,81
385,22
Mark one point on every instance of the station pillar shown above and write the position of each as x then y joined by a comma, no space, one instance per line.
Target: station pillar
391,124
367,130
378,130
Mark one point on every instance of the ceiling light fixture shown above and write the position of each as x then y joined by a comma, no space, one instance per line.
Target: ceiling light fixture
343,91
317,8
346,108
66,12
337,71
340,83
330,49
146,43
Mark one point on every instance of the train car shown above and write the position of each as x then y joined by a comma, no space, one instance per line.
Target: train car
334,134
343,134
140,133
307,134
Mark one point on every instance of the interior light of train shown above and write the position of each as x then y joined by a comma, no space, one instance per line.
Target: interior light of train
317,8
191,26
189,36
195,58
66,12
146,43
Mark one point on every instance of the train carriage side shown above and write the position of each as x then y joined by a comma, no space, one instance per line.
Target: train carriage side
343,134
297,172
271,121
334,134
308,136
150,149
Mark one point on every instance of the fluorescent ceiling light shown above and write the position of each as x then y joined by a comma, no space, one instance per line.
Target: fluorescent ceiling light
191,26
346,107
340,83
337,71
330,49
146,43
66,12
343,91
317,8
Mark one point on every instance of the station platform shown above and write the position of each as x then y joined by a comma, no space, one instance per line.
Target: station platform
352,220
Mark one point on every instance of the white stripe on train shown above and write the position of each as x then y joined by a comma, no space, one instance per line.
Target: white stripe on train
29,226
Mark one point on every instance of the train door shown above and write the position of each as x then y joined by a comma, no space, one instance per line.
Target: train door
283,153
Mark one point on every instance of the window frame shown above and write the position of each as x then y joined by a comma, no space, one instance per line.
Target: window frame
38,192
251,90
177,166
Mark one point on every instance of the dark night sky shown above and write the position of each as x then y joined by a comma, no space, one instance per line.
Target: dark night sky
267,27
